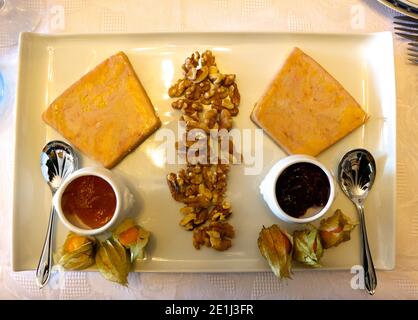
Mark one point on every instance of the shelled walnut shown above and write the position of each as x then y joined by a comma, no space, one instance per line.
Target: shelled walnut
208,99
217,235
199,185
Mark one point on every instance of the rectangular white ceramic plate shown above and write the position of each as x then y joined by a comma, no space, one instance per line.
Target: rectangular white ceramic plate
49,64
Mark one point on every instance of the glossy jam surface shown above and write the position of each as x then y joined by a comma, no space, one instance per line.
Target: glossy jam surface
300,187
89,199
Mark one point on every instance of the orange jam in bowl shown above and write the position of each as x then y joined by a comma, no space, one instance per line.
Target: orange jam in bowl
89,202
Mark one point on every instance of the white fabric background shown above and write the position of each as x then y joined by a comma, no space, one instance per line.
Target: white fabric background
223,15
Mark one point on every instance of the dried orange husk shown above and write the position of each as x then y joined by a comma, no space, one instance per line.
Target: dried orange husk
335,229
132,237
276,247
307,247
112,261
77,252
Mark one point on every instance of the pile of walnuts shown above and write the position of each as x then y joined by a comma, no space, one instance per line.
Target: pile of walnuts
208,100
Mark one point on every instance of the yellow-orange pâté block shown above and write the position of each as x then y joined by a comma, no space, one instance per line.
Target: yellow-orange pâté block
305,110
106,114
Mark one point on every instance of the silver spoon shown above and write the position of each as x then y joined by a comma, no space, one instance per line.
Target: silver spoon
356,173
58,161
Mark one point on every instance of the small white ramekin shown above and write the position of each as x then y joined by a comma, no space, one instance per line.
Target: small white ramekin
124,198
268,188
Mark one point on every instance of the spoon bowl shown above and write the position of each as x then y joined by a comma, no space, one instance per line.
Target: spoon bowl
58,161
356,175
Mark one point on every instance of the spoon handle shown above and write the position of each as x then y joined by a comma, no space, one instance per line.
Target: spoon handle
43,271
370,279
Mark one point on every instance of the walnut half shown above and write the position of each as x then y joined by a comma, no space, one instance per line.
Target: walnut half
216,235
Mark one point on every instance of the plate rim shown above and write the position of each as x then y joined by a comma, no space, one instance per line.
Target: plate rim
401,10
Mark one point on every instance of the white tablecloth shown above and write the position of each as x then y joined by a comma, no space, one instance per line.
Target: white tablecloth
82,16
